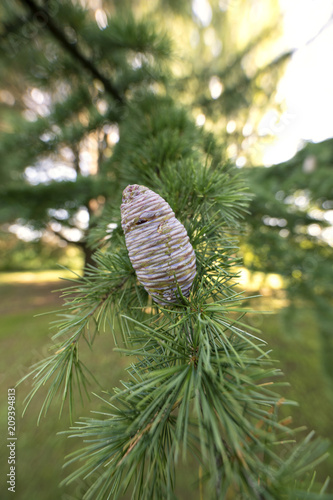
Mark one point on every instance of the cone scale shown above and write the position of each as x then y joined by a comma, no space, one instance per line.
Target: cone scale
158,245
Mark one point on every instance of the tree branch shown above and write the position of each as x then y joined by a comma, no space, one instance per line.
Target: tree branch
73,49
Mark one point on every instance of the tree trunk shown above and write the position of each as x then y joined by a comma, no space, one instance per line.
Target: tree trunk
88,254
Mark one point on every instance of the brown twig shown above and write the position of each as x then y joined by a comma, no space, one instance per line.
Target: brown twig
134,441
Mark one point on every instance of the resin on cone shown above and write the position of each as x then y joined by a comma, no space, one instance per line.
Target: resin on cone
158,245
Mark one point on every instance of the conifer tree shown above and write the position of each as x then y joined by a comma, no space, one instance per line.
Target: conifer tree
290,216
202,385
64,80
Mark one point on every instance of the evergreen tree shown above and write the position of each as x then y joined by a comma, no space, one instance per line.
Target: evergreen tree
290,216
65,87
65,79
201,383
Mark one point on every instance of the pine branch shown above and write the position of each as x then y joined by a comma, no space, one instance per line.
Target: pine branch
202,384
165,384
87,303
73,49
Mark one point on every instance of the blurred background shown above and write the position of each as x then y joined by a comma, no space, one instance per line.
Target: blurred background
257,75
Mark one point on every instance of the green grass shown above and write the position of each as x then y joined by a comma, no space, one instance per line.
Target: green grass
35,276
40,451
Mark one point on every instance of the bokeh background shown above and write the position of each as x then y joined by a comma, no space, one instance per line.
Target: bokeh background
256,74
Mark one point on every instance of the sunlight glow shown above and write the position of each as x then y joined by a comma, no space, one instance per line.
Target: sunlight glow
25,233
47,171
215,87
101,19
72,233
81,218
37,103
200,120
308,81
202,11
231,126
241,162
112,132
58,213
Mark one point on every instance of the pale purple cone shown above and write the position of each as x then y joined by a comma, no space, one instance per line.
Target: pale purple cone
158,245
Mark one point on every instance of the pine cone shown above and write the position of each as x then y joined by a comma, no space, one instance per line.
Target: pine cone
158,245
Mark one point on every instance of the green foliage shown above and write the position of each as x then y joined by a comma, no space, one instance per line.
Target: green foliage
23,325
292,199
81,80
200,384
87,78
18,255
